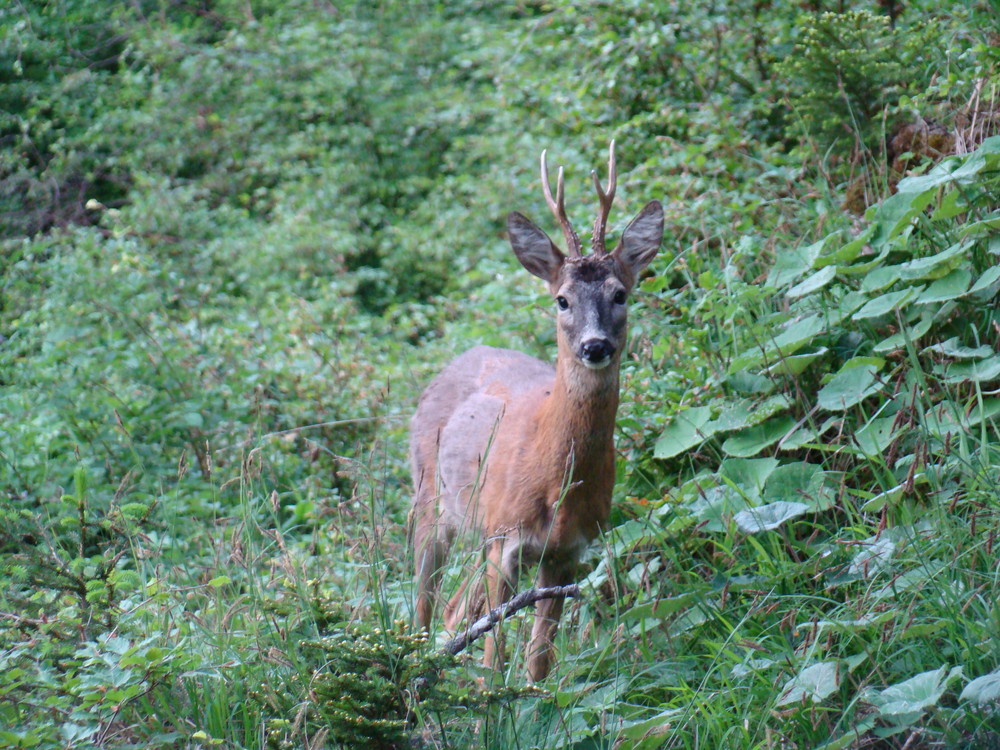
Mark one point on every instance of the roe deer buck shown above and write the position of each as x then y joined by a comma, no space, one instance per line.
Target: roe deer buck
522,450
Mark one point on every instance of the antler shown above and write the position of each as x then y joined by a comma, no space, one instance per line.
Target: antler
558,209
606,199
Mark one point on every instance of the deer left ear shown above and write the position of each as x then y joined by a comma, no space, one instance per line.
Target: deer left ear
641,239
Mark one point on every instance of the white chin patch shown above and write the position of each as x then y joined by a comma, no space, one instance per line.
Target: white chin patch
596,365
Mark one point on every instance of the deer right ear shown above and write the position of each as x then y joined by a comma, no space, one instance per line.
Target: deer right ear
533,248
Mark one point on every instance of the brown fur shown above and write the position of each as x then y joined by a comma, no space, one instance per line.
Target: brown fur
523,453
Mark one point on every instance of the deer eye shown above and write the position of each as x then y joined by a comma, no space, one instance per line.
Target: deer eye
562,302
619,298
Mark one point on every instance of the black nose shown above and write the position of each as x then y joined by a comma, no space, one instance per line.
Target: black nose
596,350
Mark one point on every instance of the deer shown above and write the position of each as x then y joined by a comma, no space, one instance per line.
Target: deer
521,451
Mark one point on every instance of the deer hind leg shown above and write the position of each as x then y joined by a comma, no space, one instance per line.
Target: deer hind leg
431,540
547,614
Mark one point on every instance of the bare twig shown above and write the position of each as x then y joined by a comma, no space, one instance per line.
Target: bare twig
485,623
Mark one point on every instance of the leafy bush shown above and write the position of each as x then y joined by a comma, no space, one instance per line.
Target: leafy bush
237,240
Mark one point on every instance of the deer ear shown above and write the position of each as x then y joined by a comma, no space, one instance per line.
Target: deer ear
642,238
534,248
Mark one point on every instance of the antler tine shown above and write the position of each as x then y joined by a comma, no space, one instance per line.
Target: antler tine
606,199
558,208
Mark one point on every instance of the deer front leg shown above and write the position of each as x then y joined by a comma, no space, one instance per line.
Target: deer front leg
547,614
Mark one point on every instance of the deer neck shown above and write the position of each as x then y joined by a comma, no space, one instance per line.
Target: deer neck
579,415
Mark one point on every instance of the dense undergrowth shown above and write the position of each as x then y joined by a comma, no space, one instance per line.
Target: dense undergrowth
238,237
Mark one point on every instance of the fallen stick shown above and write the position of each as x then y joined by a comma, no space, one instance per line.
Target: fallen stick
485,623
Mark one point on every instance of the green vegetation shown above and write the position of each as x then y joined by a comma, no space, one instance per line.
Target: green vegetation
238,238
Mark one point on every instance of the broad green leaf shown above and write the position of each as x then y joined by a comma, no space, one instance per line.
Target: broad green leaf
932,267
751,666
937,265
949,287
874,437
846,253
661,608
801,482
747,413
849,626
987,281
983,690
768,517
849,387
850,739
797,439
985,226
753,440
877,502
748,474
796,335
791,263
813,283
981,371
716,507
865,266
684,433
814,683
873,557
897,211
915,695
952,348
881,278
951,417
886,303
655,726
219,581
898,340
795,364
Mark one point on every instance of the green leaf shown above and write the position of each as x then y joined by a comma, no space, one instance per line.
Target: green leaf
989,280
801,481
897,211
952,348
751,441
718,504
849,387
874,437
875,503
912,697
899,340
796,335
886,303
748,474
768,517
684,433
986,226
746,413
949,287
873,557
220,581
847,253
795,364
983,690
981,371
813,283
815,683
791,263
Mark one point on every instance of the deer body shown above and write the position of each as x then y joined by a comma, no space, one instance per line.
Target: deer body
523,452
